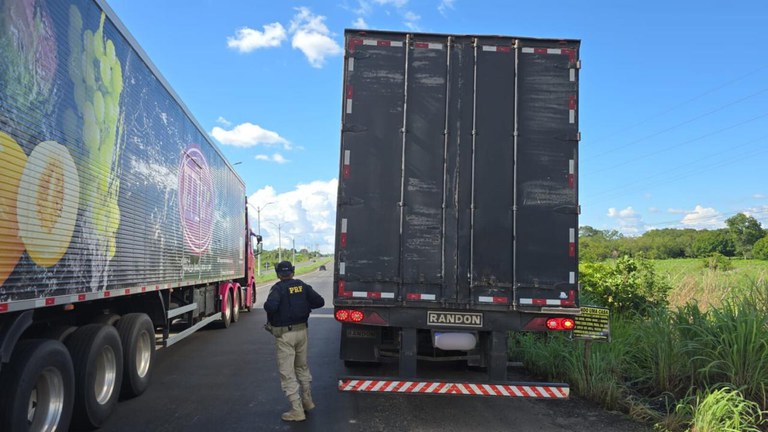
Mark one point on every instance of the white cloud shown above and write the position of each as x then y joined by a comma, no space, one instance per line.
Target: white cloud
248,135
306,215
677,211
395,3
629,221
312,37
276,157
223,121
445,5
412,20
759,213
759,196
247,39
701,218
360,23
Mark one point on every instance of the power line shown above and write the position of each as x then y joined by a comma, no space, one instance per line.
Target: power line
727,128
691,172
673,108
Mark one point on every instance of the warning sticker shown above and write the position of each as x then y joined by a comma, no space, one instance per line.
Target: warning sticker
593,323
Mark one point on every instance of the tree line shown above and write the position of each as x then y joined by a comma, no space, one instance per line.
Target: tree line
743,237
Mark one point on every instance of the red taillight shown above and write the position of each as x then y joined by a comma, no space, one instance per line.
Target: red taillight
342,315
561,324
349,315
356,316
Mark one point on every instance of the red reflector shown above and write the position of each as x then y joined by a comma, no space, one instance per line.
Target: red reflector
342,315
4,307
502,300
356,316
375,318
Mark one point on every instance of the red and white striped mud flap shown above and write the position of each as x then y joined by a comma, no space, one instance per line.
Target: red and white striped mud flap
508,389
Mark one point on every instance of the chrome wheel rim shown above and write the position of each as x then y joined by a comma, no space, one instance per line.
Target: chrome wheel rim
106,374
143,354
46,401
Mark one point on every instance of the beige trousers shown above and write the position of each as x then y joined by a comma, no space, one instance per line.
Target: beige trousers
292,362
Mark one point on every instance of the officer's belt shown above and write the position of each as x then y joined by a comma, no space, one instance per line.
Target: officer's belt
300,326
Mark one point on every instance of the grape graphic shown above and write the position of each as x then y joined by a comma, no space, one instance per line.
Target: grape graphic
97,75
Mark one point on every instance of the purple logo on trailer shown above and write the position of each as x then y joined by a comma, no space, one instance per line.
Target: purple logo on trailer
196,200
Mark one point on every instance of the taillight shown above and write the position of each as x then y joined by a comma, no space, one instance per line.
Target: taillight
349,315
356,316
560,324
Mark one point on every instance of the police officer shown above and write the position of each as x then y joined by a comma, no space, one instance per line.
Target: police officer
288,306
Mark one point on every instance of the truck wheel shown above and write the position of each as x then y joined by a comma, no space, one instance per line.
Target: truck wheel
236,305
226,314
37,388
137,335
98,358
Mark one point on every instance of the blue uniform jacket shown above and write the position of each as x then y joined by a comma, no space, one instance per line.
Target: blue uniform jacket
290,302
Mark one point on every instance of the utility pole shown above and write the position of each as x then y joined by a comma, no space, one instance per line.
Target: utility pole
293,250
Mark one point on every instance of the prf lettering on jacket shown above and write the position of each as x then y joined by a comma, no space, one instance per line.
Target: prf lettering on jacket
295,289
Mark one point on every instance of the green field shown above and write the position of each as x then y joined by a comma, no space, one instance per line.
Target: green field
690,280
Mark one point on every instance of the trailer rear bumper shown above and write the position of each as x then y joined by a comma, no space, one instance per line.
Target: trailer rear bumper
506,389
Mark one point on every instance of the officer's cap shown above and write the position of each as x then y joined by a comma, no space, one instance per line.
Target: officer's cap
284,268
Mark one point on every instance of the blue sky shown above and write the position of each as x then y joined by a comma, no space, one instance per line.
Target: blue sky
673,97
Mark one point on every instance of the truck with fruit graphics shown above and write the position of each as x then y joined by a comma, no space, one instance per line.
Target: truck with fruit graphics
457,204
122,226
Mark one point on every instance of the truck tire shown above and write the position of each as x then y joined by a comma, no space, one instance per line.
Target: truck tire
226,314
37,387
97,355
137,335
236,305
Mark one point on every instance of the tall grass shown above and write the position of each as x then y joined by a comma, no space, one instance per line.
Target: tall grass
703,369
723,410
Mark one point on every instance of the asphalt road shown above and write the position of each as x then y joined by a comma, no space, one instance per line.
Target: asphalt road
226,380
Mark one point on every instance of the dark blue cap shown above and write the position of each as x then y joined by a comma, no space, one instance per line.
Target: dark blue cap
284,268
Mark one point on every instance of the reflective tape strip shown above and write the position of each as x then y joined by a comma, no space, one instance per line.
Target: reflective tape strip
572,277
344,225
382,43
360,294
349,106
390,295
342,268
428,45
351,64
485,299
497,48
573,75
474,389
525,301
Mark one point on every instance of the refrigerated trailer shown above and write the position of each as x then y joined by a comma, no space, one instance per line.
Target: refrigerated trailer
122,226
458,209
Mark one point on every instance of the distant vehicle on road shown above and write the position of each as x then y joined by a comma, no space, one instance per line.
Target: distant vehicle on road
321,268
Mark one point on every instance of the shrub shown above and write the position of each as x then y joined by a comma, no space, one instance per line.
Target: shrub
631,285
717,261
760,249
